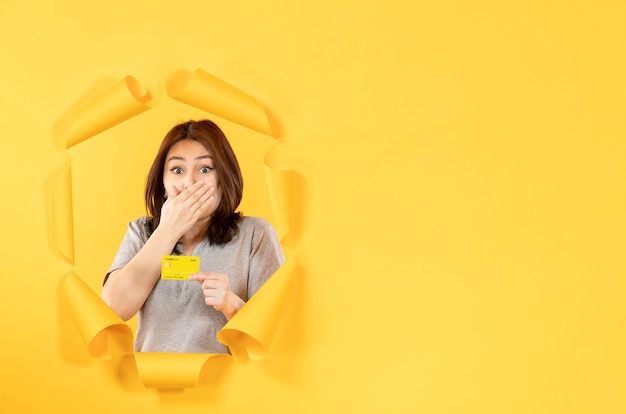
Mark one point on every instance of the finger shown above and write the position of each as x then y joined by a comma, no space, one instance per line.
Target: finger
212,293
196,278
213,285
216,277
200,200
214,296
204,201
189,192
213,301
201,276
174,191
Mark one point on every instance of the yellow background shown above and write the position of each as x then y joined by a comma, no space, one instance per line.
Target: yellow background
461,208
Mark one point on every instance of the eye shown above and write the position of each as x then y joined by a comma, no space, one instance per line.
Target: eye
205,170
176,170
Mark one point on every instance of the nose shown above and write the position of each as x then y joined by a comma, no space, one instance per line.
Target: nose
190,179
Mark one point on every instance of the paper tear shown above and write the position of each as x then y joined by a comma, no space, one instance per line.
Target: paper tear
124,100
249,334
204,91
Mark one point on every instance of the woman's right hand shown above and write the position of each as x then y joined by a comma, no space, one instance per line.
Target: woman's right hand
182,211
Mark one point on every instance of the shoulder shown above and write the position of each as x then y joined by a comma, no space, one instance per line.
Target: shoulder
140,227
250,222
257,227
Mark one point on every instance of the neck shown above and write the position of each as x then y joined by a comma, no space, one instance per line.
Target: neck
194,236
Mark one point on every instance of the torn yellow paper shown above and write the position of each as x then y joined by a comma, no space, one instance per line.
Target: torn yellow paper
252,329
61,220
279,183
170,370
249,333
95,320
124,100
204,91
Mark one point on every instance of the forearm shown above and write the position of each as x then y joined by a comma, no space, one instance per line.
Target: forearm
127,288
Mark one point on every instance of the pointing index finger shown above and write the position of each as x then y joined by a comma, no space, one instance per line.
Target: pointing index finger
202,276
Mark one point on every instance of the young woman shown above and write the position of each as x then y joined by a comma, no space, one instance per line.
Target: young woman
193,189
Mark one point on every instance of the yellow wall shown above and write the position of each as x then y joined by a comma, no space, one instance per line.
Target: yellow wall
461,207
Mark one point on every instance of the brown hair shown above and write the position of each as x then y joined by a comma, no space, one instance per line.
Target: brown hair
223,225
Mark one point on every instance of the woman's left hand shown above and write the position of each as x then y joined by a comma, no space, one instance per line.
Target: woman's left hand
217,293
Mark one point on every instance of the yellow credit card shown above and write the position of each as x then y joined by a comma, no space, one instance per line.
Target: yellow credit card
179,267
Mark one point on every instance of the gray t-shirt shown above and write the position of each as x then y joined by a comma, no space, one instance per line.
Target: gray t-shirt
174,317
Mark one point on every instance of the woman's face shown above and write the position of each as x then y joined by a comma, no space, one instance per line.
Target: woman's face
187,162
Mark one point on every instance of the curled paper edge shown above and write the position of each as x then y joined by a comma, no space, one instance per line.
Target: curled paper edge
95,321
211,94
171,370
279,182
61,237
249,334
124,100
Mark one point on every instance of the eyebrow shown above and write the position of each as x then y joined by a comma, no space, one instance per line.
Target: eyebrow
176,157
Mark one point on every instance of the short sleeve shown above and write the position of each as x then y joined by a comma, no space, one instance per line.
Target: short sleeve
134,239
266,256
